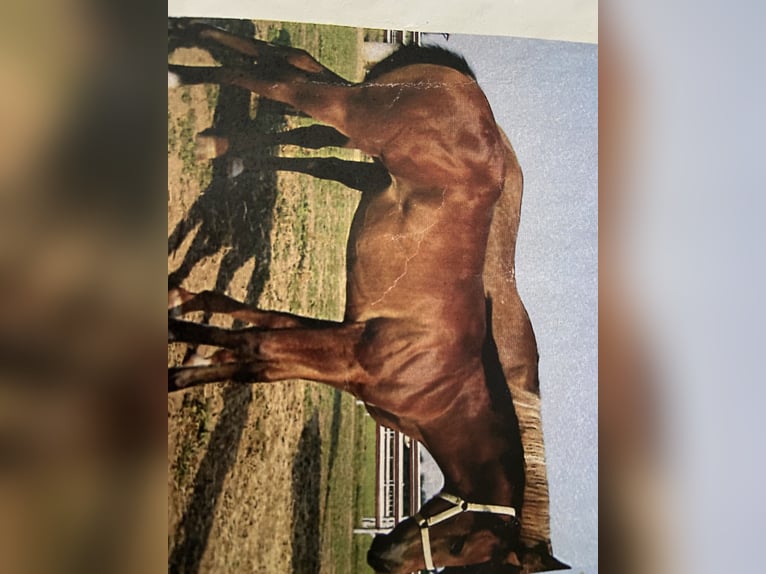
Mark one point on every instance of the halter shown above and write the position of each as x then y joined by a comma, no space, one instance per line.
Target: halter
458,507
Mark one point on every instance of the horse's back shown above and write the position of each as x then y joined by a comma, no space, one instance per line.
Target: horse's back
431,126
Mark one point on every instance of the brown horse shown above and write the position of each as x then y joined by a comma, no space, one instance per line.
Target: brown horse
416,341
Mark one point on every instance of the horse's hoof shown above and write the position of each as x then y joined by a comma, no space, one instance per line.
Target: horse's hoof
180,378
175,380
182,33
209,146
235,168
189,30
174,81
172,338
197,360
183,25
177,296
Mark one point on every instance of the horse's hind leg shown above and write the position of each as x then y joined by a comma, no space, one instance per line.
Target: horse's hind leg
264,52
366,177
323,101
212,143
181,301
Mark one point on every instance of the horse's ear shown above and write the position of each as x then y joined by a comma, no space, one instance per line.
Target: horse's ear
513,559
538,559
554,564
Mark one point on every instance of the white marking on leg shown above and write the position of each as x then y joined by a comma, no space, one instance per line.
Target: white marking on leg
196,360
174,80
177,296
174,299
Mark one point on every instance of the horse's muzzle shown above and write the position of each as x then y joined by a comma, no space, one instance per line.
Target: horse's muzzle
378,563
375,556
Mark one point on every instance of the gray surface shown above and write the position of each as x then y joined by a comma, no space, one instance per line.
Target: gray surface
544,94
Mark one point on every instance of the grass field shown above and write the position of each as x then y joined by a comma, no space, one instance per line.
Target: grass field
268,478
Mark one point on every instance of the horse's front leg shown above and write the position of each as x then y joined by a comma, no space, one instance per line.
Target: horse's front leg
328,355
180,378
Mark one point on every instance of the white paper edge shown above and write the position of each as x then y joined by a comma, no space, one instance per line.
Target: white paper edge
567,20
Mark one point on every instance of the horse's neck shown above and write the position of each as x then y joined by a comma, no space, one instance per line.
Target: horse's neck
485,475
479,452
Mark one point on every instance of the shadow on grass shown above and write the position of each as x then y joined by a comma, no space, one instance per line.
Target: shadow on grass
337,416
236,217
306,479
194,528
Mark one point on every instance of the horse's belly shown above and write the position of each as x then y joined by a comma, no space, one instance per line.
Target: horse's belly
386,255
413,252
379,271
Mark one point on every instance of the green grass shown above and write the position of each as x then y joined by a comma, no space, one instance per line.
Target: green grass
211,95
351,483
335,47
364,493
321,214
182,134
318,217
309,248
196,438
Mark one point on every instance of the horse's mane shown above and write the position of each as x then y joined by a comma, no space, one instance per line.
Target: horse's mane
410,54
502,402
539,551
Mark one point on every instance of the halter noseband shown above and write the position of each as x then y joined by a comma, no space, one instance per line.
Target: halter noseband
458,507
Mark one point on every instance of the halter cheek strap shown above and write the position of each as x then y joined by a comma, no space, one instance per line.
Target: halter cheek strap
458,507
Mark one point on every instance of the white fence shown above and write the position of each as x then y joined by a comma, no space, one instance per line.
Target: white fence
397,481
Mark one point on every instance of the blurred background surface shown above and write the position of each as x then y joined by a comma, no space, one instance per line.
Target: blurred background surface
681,286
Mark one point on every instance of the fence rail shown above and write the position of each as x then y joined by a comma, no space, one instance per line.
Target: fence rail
397,481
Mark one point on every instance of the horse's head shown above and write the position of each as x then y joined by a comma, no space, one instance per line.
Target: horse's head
447,532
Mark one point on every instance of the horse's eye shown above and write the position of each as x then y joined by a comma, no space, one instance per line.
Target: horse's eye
457,546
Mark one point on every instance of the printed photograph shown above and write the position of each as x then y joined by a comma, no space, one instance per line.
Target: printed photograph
382,301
